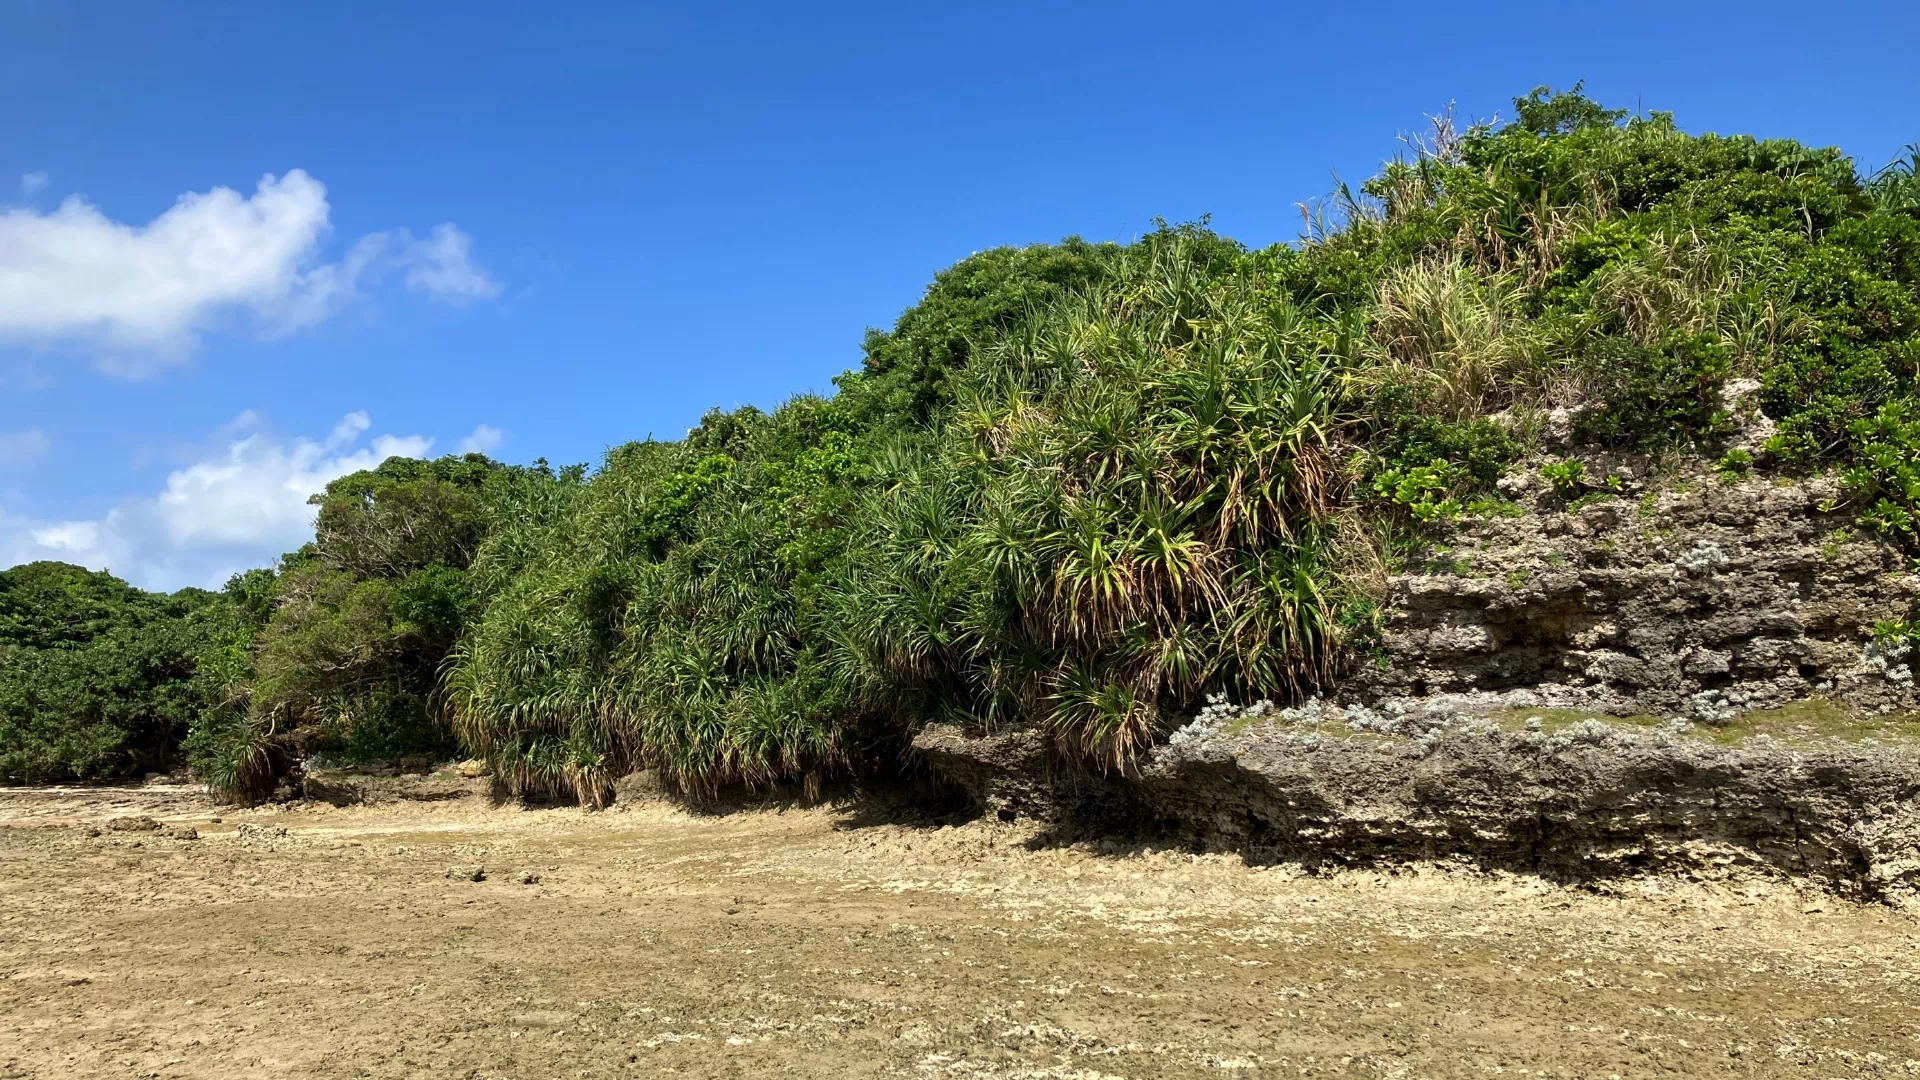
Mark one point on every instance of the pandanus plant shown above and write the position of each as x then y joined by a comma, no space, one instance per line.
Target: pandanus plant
1132,509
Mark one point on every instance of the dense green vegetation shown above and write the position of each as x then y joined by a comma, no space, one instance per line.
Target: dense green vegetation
335,651
97,678
1079,487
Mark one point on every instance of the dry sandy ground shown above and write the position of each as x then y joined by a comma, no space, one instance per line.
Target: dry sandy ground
806,943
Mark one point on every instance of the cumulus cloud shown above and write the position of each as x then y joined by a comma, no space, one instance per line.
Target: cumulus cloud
238,508
22,448
140,295
33,183
485,440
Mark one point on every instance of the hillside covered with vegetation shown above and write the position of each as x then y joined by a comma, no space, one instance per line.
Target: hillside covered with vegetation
1078,488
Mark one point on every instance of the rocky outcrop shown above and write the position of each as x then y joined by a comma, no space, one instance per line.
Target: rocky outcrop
1702,599
1589,801
1018,776
1671,608
351,788
1586,803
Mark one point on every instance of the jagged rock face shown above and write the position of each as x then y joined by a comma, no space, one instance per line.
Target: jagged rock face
1019,776
1593,802
1585,804
1694,602
1698,601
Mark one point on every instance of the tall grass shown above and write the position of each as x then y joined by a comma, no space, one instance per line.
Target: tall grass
1463,334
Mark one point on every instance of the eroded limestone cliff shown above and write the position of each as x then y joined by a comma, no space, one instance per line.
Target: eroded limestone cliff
1682,677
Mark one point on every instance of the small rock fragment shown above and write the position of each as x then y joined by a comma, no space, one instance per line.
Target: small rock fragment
135,823
467,873
527,877
180,832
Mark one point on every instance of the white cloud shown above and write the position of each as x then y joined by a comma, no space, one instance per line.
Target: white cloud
442,266
257,493
21,448
141,294
33,183
485,440
73,536
236,509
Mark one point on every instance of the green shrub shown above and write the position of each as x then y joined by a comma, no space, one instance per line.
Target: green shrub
1567,478
1886,478
1652,398
1425,491
236,757
97,679
1402,431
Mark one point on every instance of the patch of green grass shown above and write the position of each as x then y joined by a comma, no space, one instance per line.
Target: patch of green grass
1328,728
1552,720
1798,721
1494,507
1245,722
1589,499
1813,718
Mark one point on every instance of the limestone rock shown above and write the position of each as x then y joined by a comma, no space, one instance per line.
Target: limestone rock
1689,601
1747,593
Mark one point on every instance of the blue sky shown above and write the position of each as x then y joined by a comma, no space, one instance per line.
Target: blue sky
547,229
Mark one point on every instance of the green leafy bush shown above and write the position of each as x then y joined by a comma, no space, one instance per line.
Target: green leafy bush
1424,490
1650,398
1129,509
1567,478
1886,477
97,679
349,660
